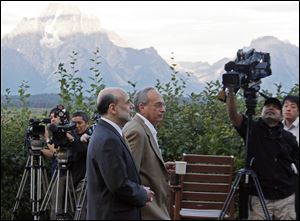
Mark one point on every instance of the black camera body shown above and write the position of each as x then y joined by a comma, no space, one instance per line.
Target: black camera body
34,133
59,133
36,129
248,68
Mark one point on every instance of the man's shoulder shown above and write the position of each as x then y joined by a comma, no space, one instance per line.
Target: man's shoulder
288,135
134,124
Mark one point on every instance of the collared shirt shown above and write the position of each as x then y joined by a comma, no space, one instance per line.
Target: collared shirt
150,126
116,126
293,128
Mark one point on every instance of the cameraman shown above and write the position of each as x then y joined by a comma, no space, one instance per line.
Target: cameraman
51,152
274,155
79,141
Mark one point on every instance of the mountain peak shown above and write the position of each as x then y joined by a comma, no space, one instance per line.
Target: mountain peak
53,8
265,42
58,21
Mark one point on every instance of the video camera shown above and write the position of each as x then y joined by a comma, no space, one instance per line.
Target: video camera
33,133
247,69
59,136
36,129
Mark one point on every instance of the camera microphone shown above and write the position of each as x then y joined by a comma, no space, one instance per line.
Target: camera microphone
46,120
229,66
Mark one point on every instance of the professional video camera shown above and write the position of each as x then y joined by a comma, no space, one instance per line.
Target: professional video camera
247,69
34,132
245,72
36,129
59,137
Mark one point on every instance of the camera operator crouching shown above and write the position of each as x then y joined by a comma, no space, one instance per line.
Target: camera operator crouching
79,139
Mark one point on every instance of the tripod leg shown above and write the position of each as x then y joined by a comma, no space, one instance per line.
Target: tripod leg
21,187
58,181
63,194
72,194
230,195
33,178
69,193
38,191
45,181
49,191
261,197
81,199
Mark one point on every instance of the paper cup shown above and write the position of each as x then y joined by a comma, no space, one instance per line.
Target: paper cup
180,167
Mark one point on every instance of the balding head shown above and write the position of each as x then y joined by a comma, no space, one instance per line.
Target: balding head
114,104
108,96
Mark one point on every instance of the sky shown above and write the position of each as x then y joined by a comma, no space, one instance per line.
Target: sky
192,30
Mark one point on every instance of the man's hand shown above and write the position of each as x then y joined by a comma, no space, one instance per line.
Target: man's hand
85,138
150,194
70,137
170,167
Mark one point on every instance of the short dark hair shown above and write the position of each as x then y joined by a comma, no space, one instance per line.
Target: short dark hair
291,98
104,102
56,109
81,114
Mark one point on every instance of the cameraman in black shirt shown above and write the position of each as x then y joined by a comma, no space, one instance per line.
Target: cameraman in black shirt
274,155
79,142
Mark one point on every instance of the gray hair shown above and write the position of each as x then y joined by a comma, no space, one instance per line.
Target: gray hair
141,97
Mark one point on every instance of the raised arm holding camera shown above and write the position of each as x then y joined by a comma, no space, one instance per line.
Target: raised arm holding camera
274,156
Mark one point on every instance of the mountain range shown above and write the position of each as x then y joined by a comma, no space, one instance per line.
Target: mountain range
34,49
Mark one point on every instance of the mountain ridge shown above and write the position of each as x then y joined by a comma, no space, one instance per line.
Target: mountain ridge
57,32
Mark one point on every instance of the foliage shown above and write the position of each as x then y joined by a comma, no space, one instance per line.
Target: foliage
13,125
71,86
197,123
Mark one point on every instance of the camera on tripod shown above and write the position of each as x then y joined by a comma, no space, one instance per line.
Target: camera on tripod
36,128
247,69
34,132
59,132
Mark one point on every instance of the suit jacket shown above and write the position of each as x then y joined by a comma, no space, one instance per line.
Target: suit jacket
113,183
150,165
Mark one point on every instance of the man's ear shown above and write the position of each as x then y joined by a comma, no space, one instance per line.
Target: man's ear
141,107
112,108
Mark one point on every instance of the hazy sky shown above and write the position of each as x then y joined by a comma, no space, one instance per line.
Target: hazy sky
194,31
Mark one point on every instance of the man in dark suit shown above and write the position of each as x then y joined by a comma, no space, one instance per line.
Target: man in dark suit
113,184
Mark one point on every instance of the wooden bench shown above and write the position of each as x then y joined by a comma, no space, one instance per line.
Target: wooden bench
204,188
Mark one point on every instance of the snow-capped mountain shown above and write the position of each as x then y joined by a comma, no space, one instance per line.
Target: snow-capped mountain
34,49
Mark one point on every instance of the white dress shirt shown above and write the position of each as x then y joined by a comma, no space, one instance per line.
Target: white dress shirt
116,126
150,126
293,128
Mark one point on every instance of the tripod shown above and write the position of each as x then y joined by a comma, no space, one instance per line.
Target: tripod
38,178
64,187
81,201
250,95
